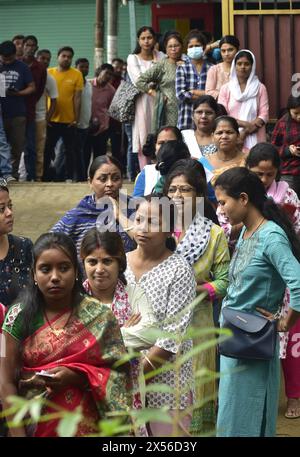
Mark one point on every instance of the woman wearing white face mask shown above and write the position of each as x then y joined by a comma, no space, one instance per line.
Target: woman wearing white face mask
191,78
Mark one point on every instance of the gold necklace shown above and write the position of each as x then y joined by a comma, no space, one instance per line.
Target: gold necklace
58,331
263,219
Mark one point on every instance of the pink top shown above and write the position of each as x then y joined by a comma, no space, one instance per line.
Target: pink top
233,107
216,78
2,315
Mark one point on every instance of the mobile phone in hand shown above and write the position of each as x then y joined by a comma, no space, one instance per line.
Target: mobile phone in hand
44,374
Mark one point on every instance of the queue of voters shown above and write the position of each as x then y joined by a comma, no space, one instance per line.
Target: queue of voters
114,300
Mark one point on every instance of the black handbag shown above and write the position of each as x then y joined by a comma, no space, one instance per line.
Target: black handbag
254,337
122,107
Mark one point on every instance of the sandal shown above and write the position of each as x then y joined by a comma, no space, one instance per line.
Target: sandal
293,408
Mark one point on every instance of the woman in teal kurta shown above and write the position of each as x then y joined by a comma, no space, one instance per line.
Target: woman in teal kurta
265,262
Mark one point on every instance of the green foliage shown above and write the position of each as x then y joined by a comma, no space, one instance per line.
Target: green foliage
68,424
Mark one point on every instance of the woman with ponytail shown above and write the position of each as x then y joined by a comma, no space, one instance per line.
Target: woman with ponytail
265,262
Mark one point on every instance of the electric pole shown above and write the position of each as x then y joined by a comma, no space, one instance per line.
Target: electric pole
112,29
99,34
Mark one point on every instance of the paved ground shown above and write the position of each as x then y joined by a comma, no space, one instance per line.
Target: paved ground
38,206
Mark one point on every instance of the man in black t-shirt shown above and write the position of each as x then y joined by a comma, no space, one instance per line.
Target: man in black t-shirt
18,84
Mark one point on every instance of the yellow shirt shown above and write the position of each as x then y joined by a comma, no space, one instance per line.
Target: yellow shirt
68,82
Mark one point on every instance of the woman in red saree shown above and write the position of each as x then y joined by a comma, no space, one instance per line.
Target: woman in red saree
70,336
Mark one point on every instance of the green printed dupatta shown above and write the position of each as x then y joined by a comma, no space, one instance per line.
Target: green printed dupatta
91,343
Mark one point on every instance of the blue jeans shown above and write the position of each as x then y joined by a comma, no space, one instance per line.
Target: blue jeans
5,157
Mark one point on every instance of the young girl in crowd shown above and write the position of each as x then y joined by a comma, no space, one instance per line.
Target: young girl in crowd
264,161
169,284
142,59
104,261
162,77
286,136
219,74
75,339
265,262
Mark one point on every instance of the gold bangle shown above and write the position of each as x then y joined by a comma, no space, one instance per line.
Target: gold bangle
282,328
150,363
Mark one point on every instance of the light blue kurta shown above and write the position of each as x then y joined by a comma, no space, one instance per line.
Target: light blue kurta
260,270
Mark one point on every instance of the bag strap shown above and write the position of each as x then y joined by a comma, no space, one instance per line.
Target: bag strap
138,62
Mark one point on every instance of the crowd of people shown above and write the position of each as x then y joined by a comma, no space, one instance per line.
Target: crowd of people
213,224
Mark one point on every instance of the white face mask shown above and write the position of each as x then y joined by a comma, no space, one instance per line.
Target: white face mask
195,53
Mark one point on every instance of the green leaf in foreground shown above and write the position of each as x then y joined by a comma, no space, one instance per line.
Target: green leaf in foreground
67,426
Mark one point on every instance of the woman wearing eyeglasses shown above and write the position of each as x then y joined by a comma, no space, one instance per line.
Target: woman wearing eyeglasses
15,252
204,246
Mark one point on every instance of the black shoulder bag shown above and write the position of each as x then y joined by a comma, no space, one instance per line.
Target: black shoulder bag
253,337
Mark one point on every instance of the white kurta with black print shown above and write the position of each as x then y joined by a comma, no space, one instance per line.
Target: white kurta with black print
170,287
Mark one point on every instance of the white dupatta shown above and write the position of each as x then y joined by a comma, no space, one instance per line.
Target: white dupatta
248,98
